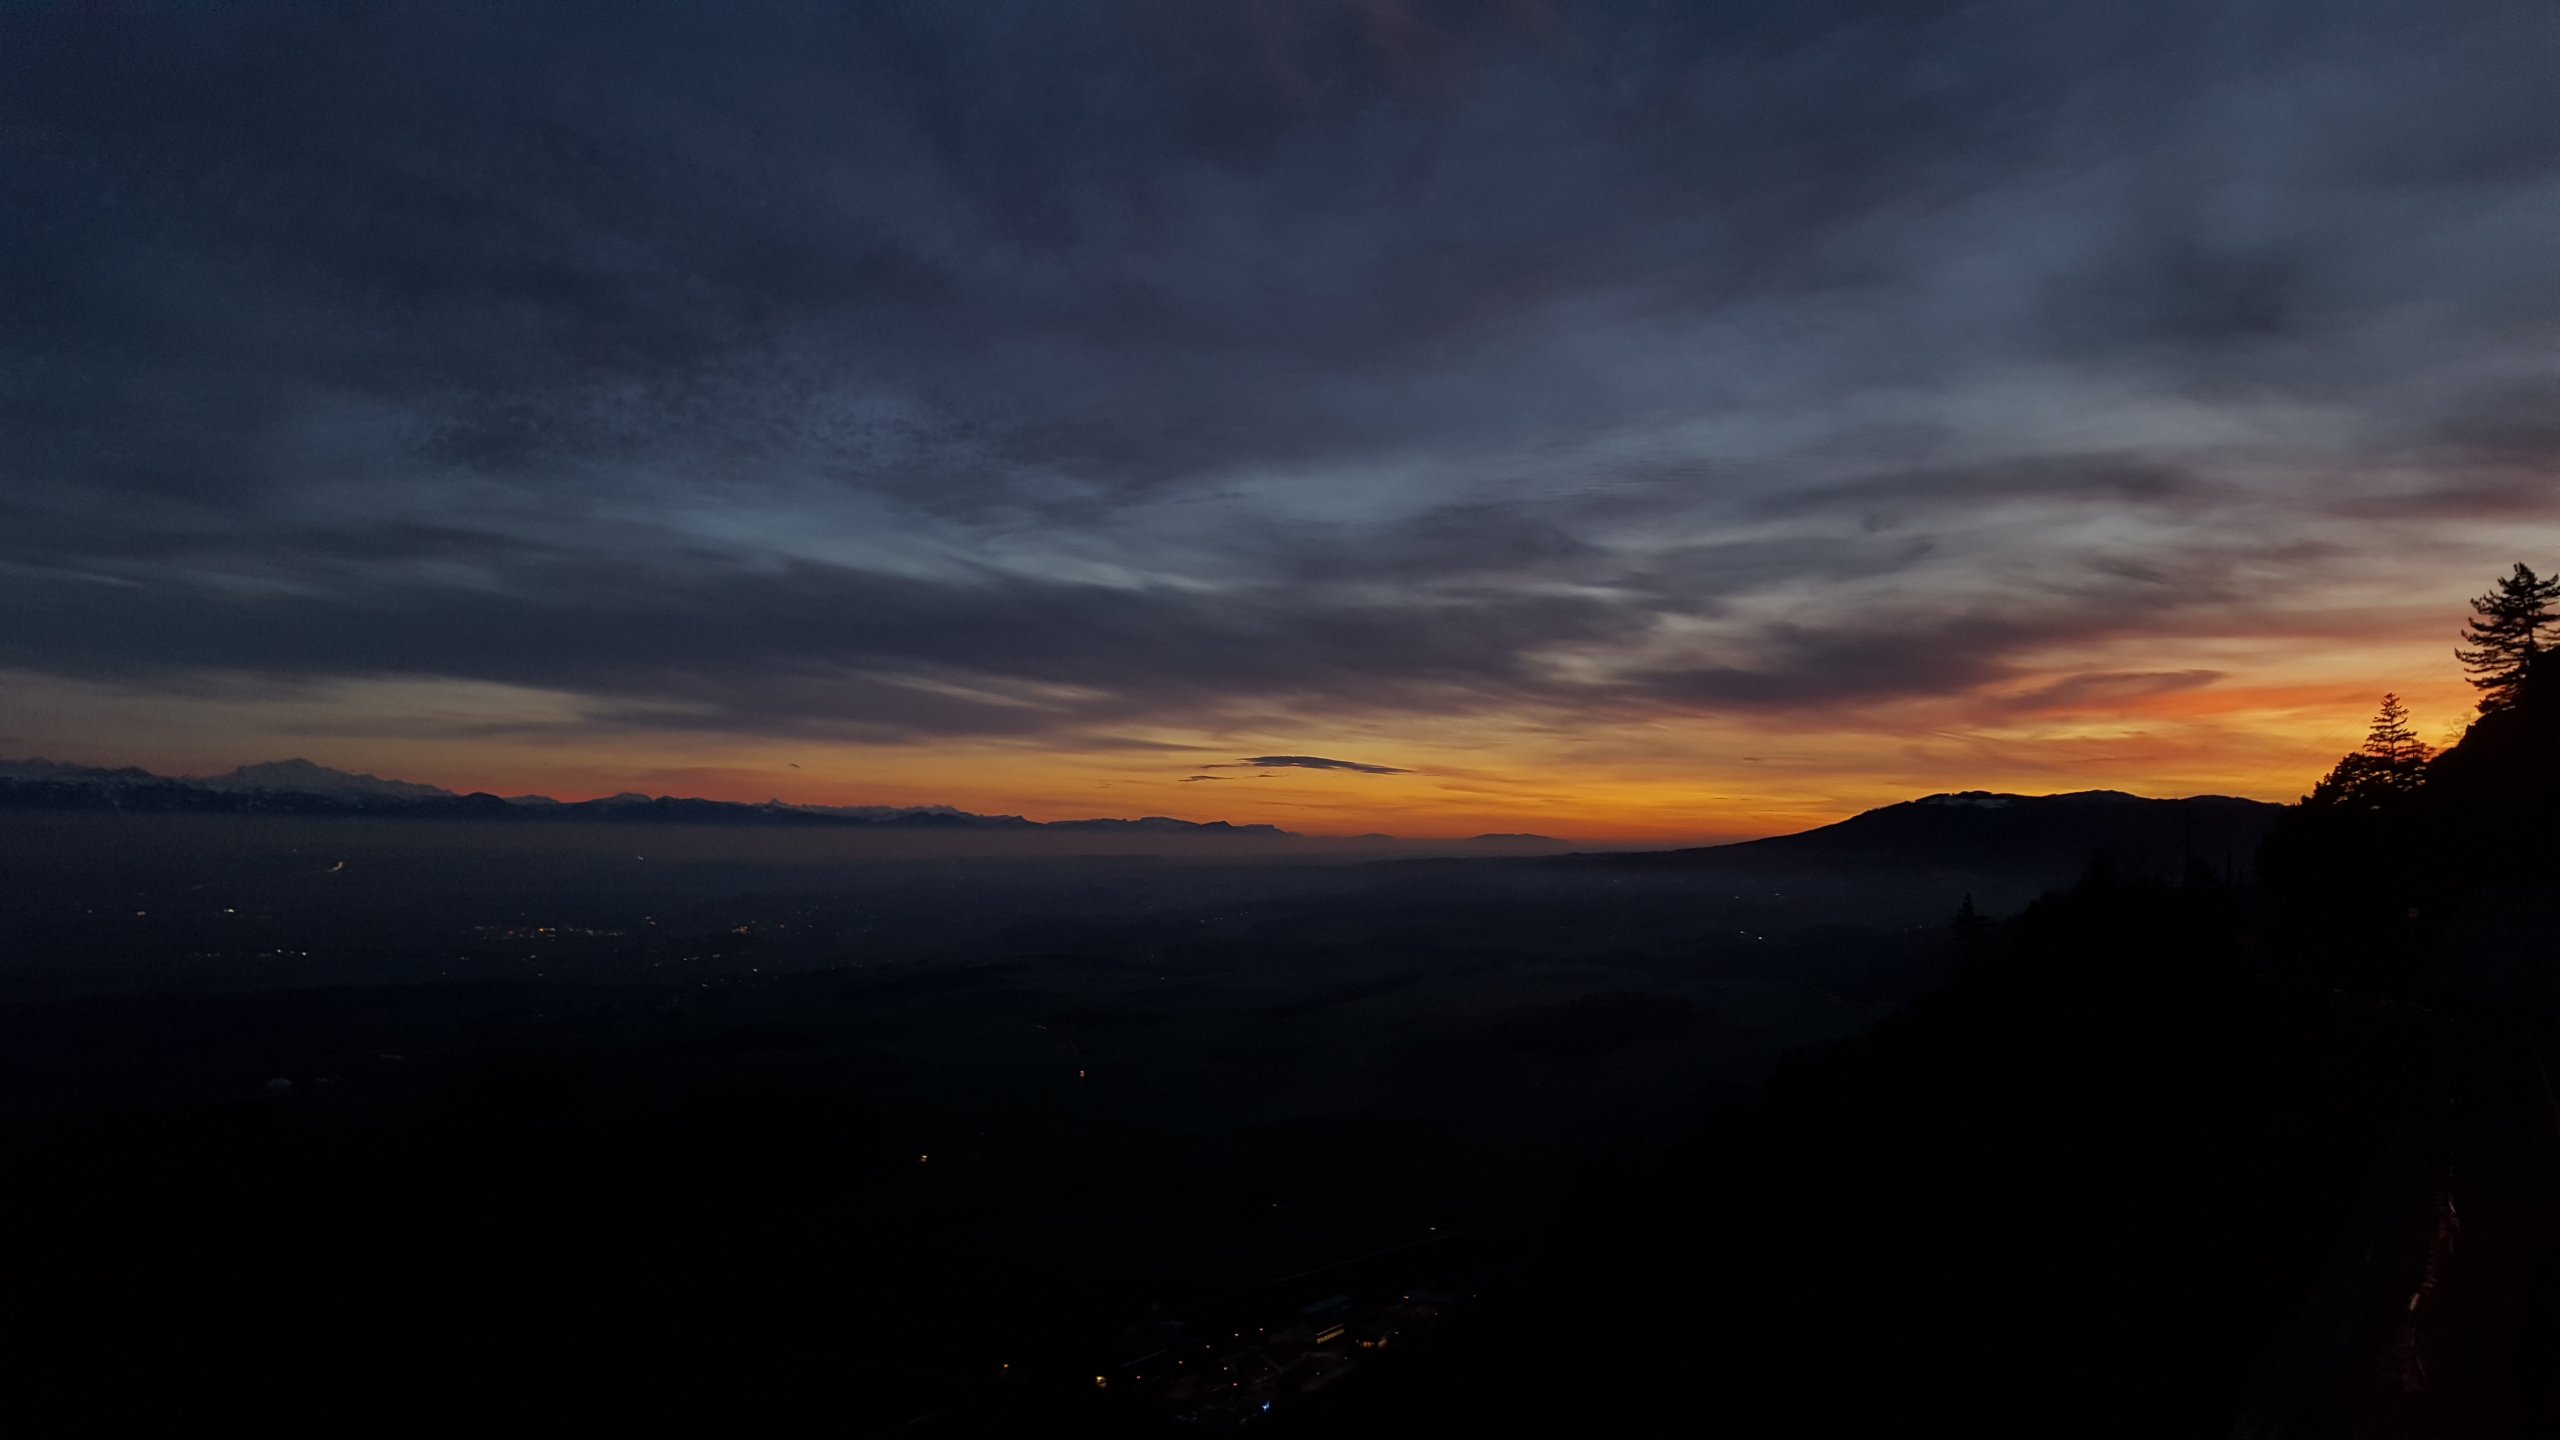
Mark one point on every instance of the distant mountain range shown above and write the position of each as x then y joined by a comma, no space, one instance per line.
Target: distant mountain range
299,787
1971,830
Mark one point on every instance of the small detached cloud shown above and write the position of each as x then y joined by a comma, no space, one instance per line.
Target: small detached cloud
1307,762
1189,779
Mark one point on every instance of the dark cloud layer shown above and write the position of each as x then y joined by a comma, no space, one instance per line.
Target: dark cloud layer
888,372
1310,762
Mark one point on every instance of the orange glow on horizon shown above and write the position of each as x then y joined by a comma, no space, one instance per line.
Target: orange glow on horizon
2256,716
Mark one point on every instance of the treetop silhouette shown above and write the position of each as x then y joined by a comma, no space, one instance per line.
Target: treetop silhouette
2391,766
2504,637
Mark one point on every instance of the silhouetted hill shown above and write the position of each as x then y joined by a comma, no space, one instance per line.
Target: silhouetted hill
2055,835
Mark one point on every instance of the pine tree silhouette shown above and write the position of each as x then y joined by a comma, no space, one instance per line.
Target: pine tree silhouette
2504,637
2391,766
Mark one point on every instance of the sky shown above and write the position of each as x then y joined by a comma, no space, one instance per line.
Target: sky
1611,420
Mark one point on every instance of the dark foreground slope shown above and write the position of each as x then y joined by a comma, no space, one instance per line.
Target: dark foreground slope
2078,1193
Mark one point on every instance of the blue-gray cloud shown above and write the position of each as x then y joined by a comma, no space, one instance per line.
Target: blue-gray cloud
889,372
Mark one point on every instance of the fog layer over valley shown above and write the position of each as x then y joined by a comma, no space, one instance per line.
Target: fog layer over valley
1096,1083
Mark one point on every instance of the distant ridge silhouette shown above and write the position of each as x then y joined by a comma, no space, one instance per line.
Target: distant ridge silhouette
301,787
